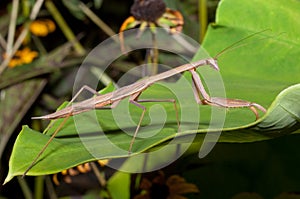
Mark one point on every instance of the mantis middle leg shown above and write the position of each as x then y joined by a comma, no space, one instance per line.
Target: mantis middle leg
134,100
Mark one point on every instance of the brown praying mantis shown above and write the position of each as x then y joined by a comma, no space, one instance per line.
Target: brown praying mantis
133,91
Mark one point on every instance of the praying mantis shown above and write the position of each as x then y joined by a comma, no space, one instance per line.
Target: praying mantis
133,92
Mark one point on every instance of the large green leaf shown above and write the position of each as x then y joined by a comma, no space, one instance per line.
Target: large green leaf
257,72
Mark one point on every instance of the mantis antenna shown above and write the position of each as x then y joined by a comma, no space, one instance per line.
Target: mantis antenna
238,43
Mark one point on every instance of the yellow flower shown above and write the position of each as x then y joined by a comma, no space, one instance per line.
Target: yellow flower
14,62
42,27
23,56
103,163
26,55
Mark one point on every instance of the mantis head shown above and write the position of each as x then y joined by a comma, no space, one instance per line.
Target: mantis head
213,63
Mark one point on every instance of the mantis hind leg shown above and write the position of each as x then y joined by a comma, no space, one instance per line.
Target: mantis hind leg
59,127
46,145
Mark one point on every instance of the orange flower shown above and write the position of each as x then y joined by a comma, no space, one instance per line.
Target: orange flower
42,27
103,162
23,56
26,55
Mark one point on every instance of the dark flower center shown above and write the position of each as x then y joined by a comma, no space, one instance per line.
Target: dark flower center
148,10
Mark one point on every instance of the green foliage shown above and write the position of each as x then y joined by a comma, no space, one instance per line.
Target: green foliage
119,185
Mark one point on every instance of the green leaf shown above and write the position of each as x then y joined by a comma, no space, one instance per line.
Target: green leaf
119,185
256,72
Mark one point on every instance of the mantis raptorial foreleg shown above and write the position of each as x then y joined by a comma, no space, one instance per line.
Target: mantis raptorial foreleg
198,88
218,101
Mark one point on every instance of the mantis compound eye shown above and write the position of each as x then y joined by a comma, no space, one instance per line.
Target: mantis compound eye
213,63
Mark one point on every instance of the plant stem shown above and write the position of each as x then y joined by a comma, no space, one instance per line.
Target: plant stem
25,188
154,54
36,8
26,7
202,18
103,26
15,48
3,43
100,178
50,188
39,187
12,26
64,26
